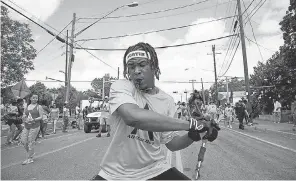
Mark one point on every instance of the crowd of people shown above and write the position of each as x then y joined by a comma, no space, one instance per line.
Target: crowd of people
226,113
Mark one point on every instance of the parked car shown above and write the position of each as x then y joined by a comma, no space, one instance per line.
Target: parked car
92,121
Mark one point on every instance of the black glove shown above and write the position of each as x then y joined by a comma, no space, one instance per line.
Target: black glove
200,126
194,135
211,137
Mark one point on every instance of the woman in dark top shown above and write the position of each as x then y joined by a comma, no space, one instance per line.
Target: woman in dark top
32,117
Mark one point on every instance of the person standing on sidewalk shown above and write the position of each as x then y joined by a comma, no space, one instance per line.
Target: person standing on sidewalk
277,111
32,117
293,111
54,116
66,114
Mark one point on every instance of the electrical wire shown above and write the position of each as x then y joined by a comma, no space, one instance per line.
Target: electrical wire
255,11
48,31
163,47
159,17
259,44
53,38
231,59
155,31
231,40
59,38
253,31
155,12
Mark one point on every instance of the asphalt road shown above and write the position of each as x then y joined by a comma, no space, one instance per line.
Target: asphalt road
234,155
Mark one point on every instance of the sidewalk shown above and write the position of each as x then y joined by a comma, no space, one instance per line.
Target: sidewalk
264,124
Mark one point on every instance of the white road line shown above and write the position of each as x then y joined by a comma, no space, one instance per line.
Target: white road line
268,142
272,130
169,157
50,152
9,148
179,164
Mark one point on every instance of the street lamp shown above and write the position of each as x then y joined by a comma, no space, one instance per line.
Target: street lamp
133,4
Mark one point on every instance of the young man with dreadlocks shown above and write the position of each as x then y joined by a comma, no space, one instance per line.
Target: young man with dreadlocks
143,119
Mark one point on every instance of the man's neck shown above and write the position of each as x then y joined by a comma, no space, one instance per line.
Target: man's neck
152,91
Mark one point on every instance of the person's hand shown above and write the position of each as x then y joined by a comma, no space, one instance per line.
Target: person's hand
199,125
211,137
194,135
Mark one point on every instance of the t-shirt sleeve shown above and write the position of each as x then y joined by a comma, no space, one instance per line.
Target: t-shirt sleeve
121,92
168,136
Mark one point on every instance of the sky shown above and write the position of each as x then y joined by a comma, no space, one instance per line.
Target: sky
184,63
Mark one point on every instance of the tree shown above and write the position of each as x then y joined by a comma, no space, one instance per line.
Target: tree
280,70
42,92
73,97
17,52
97,84
234,84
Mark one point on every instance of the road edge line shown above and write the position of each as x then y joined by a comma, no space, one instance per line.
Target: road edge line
179,163
268,142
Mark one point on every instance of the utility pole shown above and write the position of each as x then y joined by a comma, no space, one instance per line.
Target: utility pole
227,96
192,84
103,90
242,36
216,79
118,73
203,91
71,56
185,94
66,67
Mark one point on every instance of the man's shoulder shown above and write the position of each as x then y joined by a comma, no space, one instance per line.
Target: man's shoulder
167,96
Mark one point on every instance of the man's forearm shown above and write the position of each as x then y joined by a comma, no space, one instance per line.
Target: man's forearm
152,121
179,143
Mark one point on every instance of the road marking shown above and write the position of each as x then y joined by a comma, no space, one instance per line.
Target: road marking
9,148
268,142
50,152
169,157
179,164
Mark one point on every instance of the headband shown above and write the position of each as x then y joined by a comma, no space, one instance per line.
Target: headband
138,54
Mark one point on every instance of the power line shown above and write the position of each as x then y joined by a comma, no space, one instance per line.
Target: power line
143,14
53,38
59,38
155,31
159,17
163,47
48,31
253,31
259,44
231,59
247,7
256,9
231,40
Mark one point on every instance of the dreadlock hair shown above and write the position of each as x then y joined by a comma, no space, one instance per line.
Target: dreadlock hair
153,61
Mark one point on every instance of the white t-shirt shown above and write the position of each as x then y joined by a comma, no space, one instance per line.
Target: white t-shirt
228,111
76,110
135,154
277,105
66,112
212,108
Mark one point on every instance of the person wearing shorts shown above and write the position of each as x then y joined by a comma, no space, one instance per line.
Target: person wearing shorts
31,118
143,120
54,116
